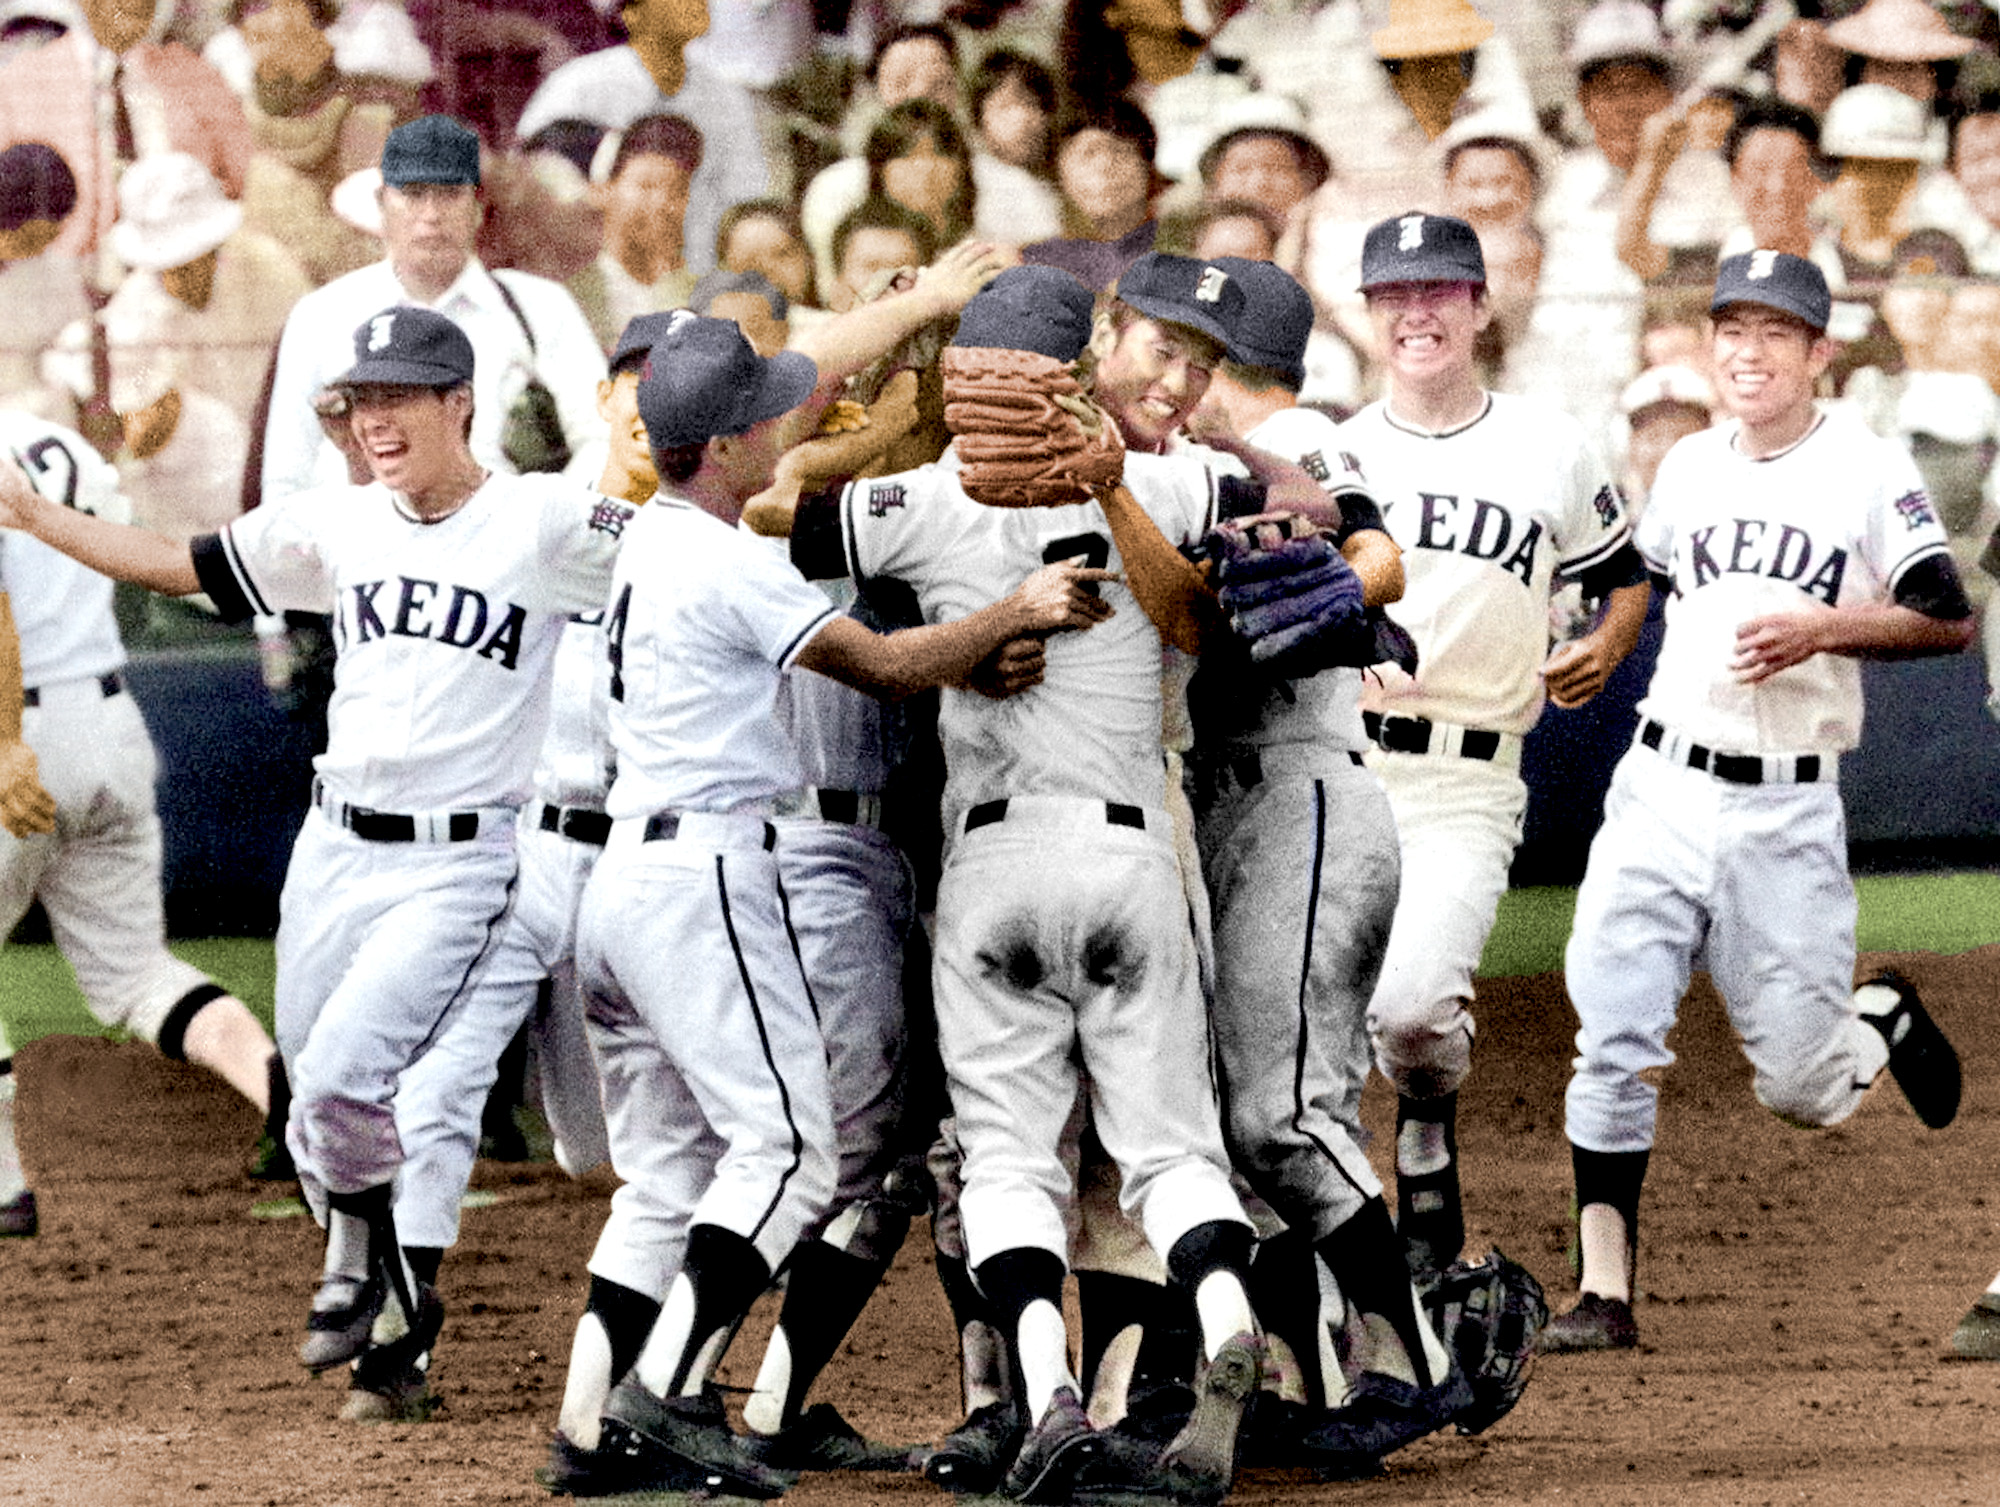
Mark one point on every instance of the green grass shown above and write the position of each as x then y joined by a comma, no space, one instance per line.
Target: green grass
1899,913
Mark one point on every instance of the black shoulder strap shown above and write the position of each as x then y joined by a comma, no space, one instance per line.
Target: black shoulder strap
514,305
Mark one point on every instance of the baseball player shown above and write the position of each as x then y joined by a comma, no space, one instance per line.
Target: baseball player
450,589
1299,851
1061,927
1493,498
1791,542
715,1076
94,858
561,831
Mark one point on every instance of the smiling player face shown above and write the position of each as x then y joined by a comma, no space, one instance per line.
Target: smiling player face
1766,364
412,437
1426,331
1151,377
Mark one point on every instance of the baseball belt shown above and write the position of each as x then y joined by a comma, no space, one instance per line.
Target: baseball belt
852,808
1116,814
1420,735
1736,769
370,825
110,684
583,824
721,829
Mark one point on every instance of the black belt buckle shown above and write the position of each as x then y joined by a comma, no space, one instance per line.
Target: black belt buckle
1410,735
381,826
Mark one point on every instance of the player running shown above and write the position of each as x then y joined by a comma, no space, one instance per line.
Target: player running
1492,497
450,588
1792,543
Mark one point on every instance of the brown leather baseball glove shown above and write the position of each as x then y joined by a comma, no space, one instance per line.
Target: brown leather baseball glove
1029,436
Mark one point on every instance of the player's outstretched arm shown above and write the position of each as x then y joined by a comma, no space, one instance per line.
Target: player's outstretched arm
1054,599
1766,645
26,808
833,457
843,345
119,550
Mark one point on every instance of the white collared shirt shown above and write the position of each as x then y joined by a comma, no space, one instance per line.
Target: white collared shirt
318,346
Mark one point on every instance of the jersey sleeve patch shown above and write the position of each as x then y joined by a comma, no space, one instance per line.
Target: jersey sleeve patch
609,516
1914,508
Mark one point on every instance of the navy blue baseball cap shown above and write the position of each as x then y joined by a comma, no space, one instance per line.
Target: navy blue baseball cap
1421,248
640,335
702,379
1029,308
1277,319
1181,290
409,346
1776,280
432,149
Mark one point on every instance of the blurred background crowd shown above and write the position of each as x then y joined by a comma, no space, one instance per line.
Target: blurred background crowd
178,176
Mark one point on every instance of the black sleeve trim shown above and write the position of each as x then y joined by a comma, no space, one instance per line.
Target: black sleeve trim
219,579
817,549
1931,586
1239,497
1358,511
1622,567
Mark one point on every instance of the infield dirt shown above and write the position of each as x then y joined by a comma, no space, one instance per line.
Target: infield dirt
1798,1291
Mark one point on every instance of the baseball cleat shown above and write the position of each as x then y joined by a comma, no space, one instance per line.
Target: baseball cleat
1977,1336
609,1470
1595,1323
392,1379
18,1218
1922,1061
1381,1415
976,1454
1053,1451
820,1439
1200,1463
343,1313
683,1436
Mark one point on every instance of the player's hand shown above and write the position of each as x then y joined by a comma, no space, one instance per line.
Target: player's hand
1209,425
18,497
1010,669
1576,671
1062,595
961,273
1766,645
25,807
335,412
849,451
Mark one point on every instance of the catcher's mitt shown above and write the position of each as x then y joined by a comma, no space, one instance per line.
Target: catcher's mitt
1488,1312
1029,436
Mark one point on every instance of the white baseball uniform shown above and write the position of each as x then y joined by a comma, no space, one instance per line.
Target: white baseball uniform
404,873
1488,514
1061,928
1724,841
440,1100
98,872
1299,851
714,1074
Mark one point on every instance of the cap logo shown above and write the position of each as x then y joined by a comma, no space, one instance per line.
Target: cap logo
1413,233
1762,264
380,330
1209,289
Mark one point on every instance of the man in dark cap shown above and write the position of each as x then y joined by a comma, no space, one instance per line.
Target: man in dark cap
1493,498
450,588
520,326
715,1075
1793,543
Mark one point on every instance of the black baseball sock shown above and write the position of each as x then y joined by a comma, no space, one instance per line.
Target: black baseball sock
824,1295
1284,1291
1365,1256
627,1317
727,1274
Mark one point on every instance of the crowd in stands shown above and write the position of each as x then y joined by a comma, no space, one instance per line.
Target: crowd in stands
180,177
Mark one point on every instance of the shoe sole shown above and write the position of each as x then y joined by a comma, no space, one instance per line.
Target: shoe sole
1051,1484
1202,1457
1921,1058
363,1406
325,1348
1554,1340
1977,1336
